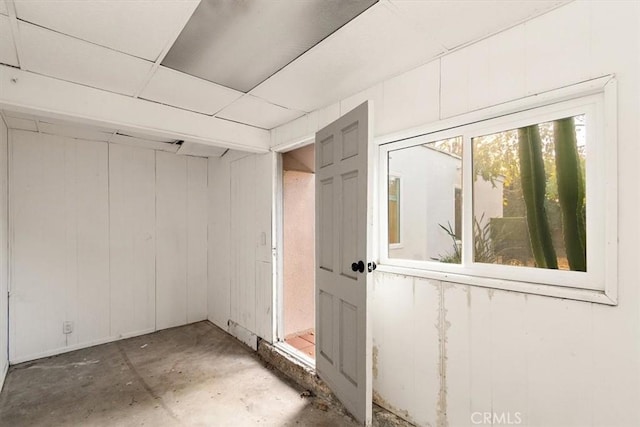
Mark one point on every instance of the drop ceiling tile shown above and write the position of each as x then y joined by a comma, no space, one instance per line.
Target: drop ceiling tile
63,57
239,44
79,132
454,23
7,49
144,143
201,150
22,124
138,27
191,93
376,45
258,112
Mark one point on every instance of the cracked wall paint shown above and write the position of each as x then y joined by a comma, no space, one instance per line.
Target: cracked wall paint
443,326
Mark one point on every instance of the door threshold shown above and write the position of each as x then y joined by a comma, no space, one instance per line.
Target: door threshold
299,356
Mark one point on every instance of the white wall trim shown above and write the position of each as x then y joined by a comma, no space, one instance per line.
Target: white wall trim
3,374
576,294
87,344
601,285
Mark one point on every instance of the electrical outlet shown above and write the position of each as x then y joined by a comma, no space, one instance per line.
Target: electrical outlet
67,327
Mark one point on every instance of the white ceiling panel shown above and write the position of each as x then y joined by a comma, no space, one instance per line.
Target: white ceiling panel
191,93
70,131
376,45
56,55
454,23
138,27
7,48
22,124
144,143
200,150
258,112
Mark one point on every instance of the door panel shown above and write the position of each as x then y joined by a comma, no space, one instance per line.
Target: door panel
343,218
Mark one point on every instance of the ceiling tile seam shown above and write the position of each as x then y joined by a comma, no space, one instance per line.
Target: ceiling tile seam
241,123
179,108
81,39
314,46
15,33
263,100
156,64
228,104
129,95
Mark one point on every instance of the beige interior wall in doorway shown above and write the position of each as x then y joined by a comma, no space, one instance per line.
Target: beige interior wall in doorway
299,251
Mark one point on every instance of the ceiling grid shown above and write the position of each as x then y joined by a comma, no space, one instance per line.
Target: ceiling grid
257,63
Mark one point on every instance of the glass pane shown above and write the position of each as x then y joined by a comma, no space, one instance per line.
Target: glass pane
425,201
394,210
529,199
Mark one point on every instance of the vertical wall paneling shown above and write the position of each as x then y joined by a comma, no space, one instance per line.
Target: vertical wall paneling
111,238
38,265
171,244
240,246
264,272
91,314
196,239
60,255
4,254
219,241
243,242
132,239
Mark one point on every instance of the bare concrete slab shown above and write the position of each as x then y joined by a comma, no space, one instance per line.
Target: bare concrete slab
194,375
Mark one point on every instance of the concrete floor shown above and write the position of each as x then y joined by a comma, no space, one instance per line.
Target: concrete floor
194,375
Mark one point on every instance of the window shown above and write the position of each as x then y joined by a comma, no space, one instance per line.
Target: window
428,210
394,210
529,201
520,200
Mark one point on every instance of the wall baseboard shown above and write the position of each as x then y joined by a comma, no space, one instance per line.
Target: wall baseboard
70,348
3,374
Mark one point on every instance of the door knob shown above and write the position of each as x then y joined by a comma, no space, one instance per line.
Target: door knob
358,266
371,266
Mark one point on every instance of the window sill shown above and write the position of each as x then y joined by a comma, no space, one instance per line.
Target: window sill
587,295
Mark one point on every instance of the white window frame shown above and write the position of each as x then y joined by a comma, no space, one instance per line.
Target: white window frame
597,100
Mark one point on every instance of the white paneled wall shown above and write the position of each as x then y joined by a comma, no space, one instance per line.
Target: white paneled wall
443,351
4,258
197,240
132,207
240,261
181,247
101,238
219,239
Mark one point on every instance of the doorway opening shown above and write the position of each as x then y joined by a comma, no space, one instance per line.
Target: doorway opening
298,253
